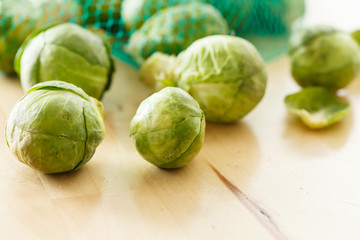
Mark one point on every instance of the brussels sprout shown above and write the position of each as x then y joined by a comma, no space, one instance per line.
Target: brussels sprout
324,56
225,74
317,107
168,128
19,18
55,127
156,71
136,12
173,29
66,52
356,36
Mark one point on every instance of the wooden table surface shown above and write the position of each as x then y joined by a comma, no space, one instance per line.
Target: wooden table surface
265,177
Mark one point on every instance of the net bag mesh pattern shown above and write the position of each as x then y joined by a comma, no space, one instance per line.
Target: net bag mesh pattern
266,23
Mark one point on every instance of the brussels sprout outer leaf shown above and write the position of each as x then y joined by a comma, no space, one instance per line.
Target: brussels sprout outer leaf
111,69
95,130
317,107
59,85
356,36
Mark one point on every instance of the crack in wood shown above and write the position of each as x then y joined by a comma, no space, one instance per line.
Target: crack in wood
252,206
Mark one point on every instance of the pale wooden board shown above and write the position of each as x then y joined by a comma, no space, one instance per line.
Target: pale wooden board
118,194
265,177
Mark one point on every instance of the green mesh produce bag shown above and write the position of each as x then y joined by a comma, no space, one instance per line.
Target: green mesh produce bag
266,23
20,17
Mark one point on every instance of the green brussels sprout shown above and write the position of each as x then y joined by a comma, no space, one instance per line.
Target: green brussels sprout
157,71
168,128
317,107
356,36
20,18
173,29
55,127
225,74
66,52
136,12
324,56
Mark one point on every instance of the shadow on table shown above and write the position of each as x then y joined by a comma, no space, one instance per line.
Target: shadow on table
169,197
354,86
301,137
